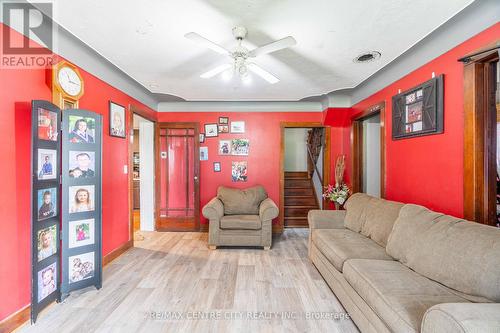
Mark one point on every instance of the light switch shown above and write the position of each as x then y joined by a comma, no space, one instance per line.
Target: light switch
125,169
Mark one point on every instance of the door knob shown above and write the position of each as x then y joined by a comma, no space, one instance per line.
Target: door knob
195,177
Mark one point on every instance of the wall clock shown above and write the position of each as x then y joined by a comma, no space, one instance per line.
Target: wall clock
67,85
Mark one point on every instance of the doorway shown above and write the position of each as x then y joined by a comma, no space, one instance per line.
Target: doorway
177,200
481,137
304,171
142,174
369,152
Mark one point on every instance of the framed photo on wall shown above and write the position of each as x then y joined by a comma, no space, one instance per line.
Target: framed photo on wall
224,147
202,137
418,111
237,127
216,166
211,130
223,128
223,120
116,120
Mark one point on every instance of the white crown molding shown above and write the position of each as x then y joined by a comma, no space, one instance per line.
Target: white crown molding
240,107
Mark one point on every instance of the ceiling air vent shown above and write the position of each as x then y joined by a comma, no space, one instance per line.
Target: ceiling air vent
367,56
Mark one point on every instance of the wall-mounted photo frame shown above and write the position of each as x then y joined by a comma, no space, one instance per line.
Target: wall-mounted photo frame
237,127
117,120
419,111
239,171
203,153
202,137
223,120
224,147
217,167
240,147
211,130
223,128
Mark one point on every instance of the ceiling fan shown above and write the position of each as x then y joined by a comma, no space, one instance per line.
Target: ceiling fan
241,55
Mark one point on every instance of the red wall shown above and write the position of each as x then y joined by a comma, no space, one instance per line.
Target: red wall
424,170
263,131
17,89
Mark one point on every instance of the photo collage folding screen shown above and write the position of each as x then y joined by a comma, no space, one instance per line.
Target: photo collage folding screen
66,152
81,200
45,205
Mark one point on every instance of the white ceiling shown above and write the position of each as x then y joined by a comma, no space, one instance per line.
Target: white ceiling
146,40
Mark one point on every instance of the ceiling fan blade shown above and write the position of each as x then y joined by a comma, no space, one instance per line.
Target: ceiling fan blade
274,46
213,72
207,43
263,73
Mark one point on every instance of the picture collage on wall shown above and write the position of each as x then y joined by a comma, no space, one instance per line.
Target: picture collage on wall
413,111
81,201
44,208
227,147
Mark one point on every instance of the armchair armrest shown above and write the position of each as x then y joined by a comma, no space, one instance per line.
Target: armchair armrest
462,317
268,210
326,219
213,210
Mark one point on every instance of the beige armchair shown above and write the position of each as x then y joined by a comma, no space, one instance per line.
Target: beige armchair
240,218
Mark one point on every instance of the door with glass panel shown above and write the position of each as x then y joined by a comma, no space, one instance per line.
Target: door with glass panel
177,198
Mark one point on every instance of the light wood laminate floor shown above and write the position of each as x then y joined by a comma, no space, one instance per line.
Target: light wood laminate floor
169,280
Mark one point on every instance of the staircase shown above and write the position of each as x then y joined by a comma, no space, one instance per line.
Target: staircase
299,198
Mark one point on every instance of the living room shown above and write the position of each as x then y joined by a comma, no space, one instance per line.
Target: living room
229,166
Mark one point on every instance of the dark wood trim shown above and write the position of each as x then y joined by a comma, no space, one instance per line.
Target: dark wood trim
134,109
117,252
480,117
357,147
178,224
278,228
15,320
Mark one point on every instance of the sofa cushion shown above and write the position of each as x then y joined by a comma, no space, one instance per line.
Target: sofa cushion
240,222
397,294
339,245
241,202
373,217
462,255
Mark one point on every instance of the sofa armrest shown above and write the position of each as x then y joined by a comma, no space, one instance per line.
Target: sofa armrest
326,219
213,210
462,317
268,210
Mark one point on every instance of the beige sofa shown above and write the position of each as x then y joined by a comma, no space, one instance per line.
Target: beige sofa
240,217
404,268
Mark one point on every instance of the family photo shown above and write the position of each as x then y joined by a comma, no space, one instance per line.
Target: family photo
47,203
81,198
47,278
81,233
239,171
81,267
81,129
47,242
47,164
47,125
81,164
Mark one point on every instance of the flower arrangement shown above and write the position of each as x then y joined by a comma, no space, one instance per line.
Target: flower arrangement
339,193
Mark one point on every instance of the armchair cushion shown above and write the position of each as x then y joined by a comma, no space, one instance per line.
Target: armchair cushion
241,202
213,210
240,222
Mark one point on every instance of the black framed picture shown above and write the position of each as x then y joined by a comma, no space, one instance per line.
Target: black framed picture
202,137
216,166
224,120
116,120
211,130
419,111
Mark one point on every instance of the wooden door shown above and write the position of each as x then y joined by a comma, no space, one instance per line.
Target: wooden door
177,177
